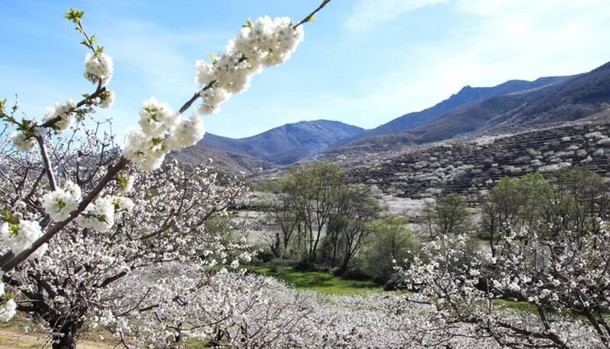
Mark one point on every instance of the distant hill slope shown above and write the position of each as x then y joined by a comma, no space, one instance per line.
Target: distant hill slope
465,96
548,101
469,166
220,159
515,105
285,144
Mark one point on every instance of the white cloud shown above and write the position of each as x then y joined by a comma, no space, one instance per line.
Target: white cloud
370,13
161,56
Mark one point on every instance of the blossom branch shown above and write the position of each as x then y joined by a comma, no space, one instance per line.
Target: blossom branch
47,163
311,16
46,237
196,96
87,100
243,58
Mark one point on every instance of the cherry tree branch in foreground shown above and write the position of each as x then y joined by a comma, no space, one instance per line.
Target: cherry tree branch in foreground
8,263
110,175
211,84
311,16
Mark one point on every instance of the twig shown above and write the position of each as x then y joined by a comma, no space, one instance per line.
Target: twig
197,94
47,163
312,14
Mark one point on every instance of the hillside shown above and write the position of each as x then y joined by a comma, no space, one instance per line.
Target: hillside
464,97
282,145
470,166
559,100
220,159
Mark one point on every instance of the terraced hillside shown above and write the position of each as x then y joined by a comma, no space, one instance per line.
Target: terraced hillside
471,166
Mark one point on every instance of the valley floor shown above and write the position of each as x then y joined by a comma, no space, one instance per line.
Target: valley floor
319,281
14,337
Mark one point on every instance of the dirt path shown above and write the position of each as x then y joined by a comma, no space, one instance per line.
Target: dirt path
14,338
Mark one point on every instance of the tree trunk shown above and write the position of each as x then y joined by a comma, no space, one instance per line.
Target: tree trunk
275,246
66,336
345,263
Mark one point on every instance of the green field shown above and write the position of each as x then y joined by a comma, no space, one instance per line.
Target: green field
329,284
319,281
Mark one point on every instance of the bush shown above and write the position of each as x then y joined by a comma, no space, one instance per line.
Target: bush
356,274
304,266
448,215
264,256
390,239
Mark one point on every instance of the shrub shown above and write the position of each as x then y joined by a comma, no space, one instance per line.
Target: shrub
390,240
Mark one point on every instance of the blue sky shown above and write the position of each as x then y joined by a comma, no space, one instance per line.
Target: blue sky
363,62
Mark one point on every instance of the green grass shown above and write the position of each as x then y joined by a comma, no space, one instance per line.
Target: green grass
319,281
196,344
327,283
524,307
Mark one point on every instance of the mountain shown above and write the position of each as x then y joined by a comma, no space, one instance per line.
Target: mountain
281,145
465,96
568,100
515,105
220,159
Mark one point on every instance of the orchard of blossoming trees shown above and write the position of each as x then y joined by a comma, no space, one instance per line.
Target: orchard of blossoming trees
259,44
101,237
78,215
540,246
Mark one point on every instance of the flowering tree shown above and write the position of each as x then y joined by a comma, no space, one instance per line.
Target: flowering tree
71,225
564,278
223,309
250,311
73,285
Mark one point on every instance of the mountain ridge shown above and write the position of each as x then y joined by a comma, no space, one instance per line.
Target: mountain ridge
514,104
287,143
466,95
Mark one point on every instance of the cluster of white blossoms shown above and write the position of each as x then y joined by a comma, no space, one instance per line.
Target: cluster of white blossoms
187,132
156,118
60,203
23,142
62,114
122,203
98,68
20,235
125,183
8,307
262,43
100,215
162,130
106,99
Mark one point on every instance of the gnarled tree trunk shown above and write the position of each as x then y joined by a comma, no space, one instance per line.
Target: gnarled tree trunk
66,336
